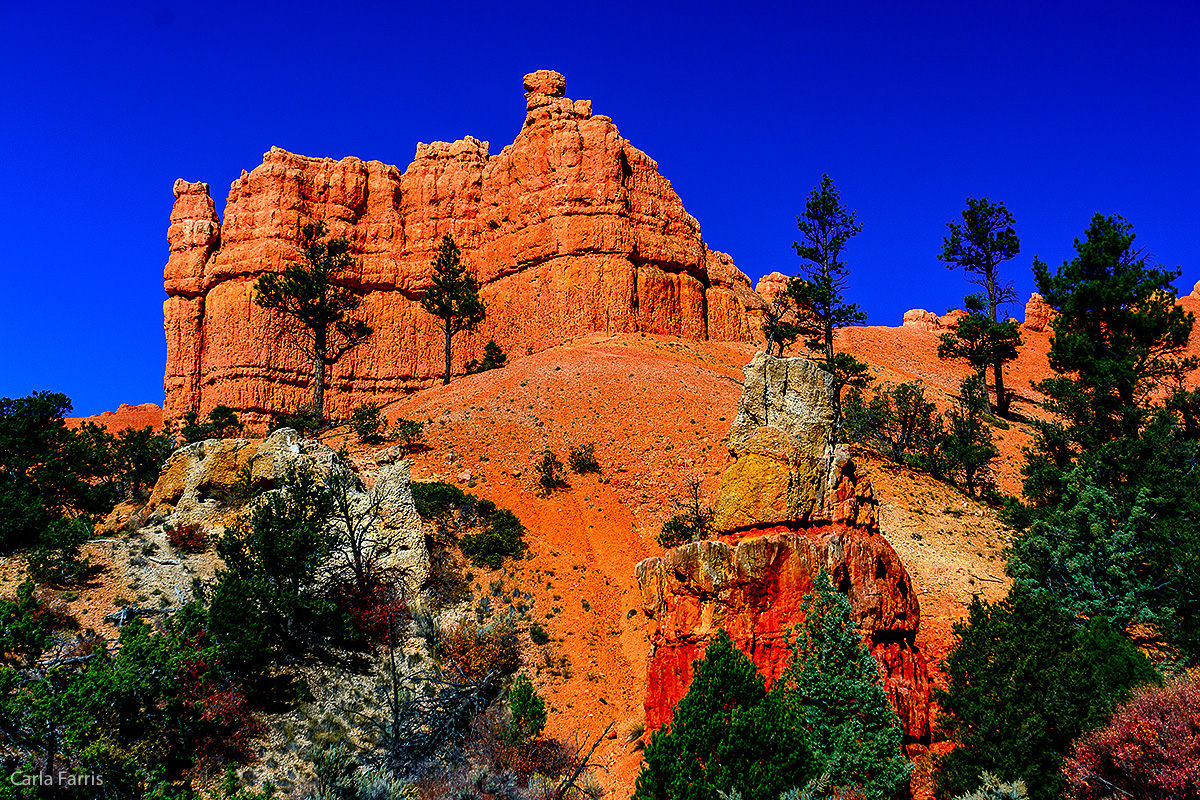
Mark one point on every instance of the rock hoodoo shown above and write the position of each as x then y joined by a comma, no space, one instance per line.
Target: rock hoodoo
791,505
1038,313
569,230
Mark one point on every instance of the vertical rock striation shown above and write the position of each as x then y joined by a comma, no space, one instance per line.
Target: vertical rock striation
570,230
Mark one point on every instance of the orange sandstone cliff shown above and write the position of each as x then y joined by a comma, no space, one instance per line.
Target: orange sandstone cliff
570,230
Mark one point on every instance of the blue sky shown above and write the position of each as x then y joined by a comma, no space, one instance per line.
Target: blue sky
1058,109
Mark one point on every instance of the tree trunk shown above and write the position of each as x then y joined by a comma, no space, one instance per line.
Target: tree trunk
446,377
987,400
1001,399
318,402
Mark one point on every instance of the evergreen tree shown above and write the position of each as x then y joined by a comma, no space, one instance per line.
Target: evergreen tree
317,307
1118,337
825,228
453,295
979,244
1118,343
269,593
728,733
47,471
968,443
1025,679
834,687
982,343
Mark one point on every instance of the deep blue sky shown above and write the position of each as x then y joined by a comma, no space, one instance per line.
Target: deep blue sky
1058,109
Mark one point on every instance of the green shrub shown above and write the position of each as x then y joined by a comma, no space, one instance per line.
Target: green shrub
368,423
493,358
222,423
528,711
435,499
538,634
409,433
582,459
301,420
1024,680
549,470
727,734
271,584
676,531
55,559
26,626
504,536
47,471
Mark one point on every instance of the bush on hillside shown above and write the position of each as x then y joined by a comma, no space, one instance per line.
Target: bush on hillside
222,423
582,459
503,537
549,470
436,499
409,433
493,358
1150,749
368,423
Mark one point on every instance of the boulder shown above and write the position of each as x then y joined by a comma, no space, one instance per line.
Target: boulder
209,483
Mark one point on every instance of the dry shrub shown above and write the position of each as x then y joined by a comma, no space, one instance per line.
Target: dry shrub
475,651
491,745
188,538
1150,749
374,610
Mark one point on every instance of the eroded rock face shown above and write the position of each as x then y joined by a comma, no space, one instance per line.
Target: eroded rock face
753,589
792,504
570,230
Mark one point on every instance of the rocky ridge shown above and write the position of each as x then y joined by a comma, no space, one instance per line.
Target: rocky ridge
570,230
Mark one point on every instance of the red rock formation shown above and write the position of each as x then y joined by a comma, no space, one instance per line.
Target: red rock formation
771,285
570,230
928,321
1038,314
753,588
791,504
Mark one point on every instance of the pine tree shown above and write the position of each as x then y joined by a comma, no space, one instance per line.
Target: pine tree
968,445
1118,345
982,343
453,295
825,228
984,240
834,687
728,734
318,308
